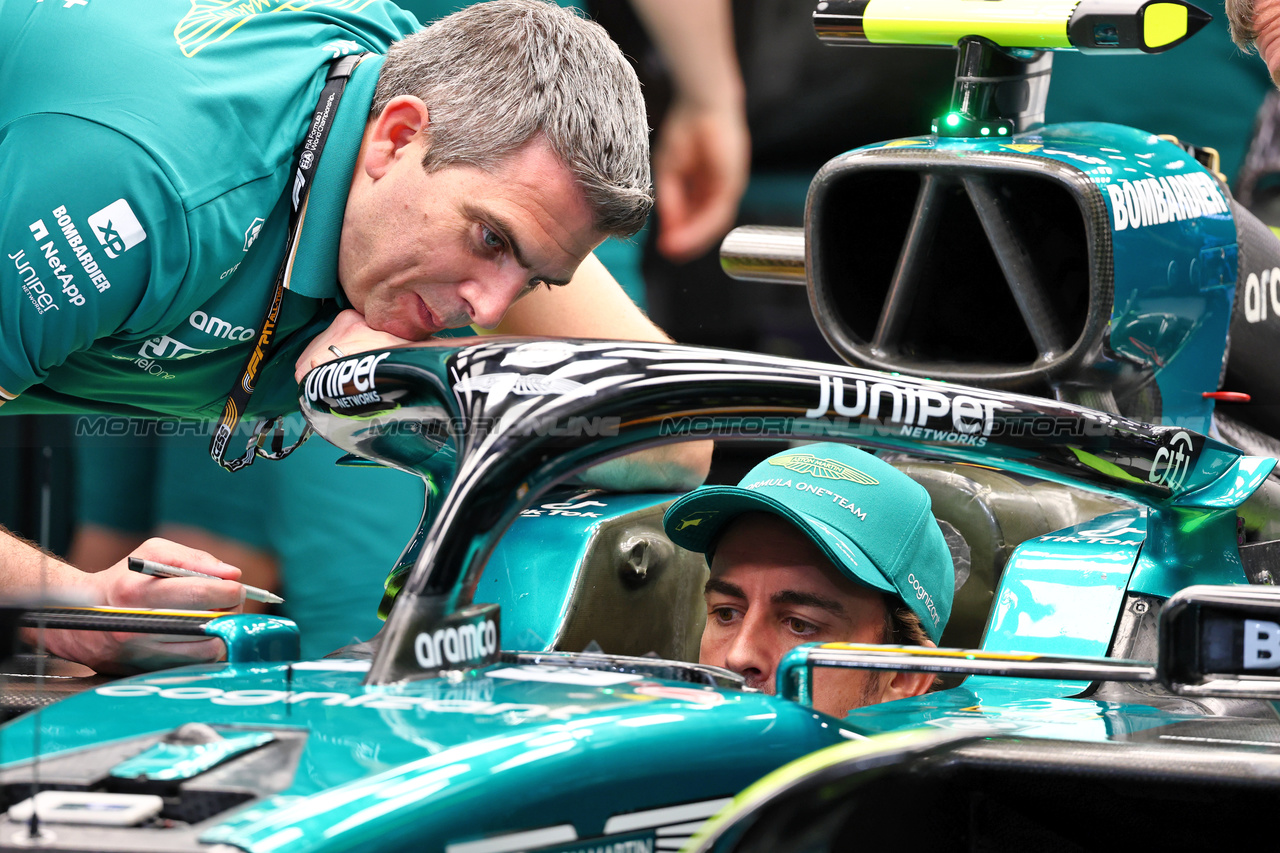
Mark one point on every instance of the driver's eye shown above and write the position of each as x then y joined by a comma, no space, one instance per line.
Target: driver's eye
800,626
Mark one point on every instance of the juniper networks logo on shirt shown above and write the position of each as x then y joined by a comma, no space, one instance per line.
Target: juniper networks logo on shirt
117,229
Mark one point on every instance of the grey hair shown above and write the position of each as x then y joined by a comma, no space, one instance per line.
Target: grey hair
496,75
1240,15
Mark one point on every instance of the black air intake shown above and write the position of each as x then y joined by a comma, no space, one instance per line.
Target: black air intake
983,268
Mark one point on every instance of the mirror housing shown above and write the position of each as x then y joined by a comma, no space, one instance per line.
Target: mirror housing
1221,641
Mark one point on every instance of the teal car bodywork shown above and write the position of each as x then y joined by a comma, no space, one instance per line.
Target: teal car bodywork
430,762
455,731
1172,244
534,686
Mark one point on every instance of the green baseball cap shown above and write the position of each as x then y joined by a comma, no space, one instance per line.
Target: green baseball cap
873,522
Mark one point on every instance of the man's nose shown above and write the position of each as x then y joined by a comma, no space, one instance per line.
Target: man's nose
749,654
489,298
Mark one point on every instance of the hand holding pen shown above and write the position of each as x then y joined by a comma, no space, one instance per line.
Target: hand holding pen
161,570
216,587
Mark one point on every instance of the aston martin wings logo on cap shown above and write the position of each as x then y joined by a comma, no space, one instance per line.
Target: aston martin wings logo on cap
827,469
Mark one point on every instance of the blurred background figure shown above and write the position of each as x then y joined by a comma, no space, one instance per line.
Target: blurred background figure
808,102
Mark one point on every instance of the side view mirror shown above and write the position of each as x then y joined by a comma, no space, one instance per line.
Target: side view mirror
1214,641
1221,641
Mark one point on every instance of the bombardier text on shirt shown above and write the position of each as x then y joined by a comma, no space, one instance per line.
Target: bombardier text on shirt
76,243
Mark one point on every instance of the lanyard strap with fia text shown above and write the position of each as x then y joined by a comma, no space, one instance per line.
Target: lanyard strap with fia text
304,174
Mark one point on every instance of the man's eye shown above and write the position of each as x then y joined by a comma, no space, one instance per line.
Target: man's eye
799,626
490,238
723,615
530,287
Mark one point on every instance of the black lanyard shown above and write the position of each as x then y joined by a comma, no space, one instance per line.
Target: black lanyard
298,191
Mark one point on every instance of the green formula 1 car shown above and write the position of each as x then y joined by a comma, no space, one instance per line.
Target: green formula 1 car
534,687
444,734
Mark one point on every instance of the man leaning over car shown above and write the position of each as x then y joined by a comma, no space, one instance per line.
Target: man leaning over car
822,543
469,166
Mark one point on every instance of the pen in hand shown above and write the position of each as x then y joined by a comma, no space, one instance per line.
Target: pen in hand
160,570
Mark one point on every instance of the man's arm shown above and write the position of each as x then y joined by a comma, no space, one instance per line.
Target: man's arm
593,305
702,151
27,573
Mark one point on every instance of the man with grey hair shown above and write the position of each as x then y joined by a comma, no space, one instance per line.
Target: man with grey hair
249,172
1256,24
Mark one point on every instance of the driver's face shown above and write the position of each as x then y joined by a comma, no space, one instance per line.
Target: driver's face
424,252
770,590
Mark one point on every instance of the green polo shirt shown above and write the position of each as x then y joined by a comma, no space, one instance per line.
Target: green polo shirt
145,155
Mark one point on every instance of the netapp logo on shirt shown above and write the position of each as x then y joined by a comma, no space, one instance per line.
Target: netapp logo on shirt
116,228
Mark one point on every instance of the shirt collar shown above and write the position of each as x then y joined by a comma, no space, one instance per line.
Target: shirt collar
315,265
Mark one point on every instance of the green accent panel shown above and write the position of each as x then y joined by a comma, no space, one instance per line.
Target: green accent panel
1186,547
1009,23
1163,23
1103,465
252,638
1061,593
1234,487
169,762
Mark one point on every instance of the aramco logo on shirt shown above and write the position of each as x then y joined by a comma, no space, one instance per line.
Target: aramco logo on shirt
210,21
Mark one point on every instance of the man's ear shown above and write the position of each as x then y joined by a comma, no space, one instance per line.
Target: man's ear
393,134
904,685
